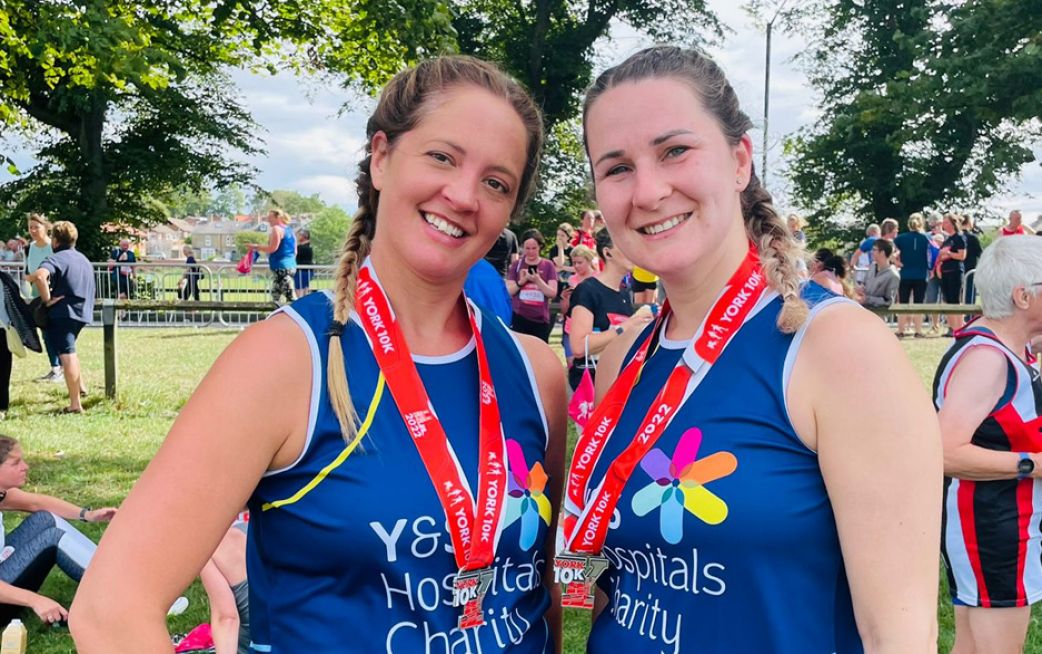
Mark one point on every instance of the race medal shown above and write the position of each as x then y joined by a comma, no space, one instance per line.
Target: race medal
468,589
577,574
474,533
587,515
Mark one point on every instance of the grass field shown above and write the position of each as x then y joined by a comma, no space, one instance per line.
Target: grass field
95,459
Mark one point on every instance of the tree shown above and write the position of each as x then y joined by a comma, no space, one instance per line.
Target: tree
328,230
924,104
130,98
246,238
291,202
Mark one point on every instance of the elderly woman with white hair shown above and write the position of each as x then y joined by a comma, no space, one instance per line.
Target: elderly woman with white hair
989,402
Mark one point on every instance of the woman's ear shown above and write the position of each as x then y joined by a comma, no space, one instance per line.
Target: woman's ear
380,148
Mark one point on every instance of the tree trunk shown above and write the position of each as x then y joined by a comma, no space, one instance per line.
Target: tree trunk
94,180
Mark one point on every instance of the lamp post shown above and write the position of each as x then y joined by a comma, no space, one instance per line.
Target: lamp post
767,91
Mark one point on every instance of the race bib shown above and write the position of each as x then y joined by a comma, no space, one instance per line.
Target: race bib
531,296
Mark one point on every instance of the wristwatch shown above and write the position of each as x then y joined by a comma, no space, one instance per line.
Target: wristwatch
1025,466
619,329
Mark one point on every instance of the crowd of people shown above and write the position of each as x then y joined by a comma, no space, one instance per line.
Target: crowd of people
415,417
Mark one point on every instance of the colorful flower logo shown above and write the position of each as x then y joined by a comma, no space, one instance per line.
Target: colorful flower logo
680,484
526,499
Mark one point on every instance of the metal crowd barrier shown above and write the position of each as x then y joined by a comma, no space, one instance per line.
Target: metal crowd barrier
178,292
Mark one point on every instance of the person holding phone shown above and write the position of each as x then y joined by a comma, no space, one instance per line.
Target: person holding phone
532,284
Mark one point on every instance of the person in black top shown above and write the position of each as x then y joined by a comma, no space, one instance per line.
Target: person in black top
950,261
189,284
305,257
503,252
973,252
599,311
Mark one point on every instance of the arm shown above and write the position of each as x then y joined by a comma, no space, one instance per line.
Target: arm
516,277
224,616
45,608
549,374
975,386
274,239
581,327
19,500
548,285
880,455
215,453
42,279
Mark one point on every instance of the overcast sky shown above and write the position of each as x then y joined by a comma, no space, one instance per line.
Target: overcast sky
313,148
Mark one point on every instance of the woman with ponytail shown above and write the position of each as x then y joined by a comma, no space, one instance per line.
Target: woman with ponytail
735,496
400,451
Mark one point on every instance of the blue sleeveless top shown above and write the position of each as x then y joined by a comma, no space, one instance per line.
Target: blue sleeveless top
711,562
348,549
284,257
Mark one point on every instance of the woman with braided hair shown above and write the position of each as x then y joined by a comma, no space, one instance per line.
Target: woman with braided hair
737,498
399,449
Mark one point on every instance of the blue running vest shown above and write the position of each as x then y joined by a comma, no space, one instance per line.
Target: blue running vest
348,549
710,563
285,256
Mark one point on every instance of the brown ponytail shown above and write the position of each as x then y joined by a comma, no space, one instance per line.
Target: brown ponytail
779,251
399,109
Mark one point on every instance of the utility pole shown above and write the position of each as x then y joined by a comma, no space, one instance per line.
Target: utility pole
767,92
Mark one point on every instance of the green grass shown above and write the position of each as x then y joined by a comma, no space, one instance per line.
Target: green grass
95,459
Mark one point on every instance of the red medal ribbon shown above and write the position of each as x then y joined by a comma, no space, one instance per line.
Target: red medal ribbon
473,521
586,529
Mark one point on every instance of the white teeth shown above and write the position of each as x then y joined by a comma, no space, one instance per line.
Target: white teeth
663,226
442,225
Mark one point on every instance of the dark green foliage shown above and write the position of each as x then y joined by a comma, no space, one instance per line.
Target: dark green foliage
924,105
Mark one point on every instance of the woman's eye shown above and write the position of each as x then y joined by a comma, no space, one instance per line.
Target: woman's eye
676,151
616,170
440,157
499,186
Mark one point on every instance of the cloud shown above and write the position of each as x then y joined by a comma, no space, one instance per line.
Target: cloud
333,189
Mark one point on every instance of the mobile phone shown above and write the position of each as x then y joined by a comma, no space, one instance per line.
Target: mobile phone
532,270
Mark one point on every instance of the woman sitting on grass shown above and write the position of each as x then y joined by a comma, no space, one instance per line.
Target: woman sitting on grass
43,539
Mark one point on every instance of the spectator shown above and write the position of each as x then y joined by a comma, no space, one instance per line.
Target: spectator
14,246
532,283
66,284
1015,225
227,589
503,252
600,311
584,261
832,274
861,260
933,284
561,255
888,229
40,249
973,252
305,259
121,270
883,280
282,255
584,235
989,404
913,249
190,280
950,265
644,285
796,224
43,539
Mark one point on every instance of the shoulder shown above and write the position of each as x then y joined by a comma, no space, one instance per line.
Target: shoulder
546,366
844,336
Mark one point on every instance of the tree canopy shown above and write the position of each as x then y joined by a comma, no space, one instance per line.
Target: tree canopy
924,105
129,100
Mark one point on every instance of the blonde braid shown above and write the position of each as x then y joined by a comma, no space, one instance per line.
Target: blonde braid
356,249
779,253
